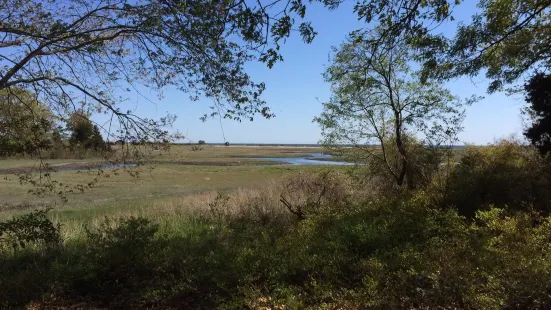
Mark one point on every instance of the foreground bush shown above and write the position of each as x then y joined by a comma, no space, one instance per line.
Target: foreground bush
507,175
384,254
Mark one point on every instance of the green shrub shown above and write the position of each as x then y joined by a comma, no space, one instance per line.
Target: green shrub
116,263
388,253
305,194
32,228
381,170
506,174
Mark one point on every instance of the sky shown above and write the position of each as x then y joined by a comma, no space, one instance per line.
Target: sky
295,90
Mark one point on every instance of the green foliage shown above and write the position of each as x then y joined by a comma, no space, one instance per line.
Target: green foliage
505,39
507,175
25,124
84,134
383,254
378,99
424,163
120,259
32,228
538,97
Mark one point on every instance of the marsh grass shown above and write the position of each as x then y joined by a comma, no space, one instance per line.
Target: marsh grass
159,181
258,203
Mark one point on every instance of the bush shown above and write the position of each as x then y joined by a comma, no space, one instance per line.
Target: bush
32,228
506,174
396,252
28,245
374,171
119,261
305,194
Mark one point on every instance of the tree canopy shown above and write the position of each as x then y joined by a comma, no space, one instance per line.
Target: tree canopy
80,52
503,40
379,99
506,39
25,123
84,133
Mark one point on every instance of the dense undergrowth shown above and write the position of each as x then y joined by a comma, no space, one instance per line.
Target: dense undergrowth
481,240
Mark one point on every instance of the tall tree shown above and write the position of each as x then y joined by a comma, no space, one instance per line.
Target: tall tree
538,96
378,99
98,143
76,52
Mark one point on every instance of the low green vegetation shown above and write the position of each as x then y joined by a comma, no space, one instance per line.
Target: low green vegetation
476,239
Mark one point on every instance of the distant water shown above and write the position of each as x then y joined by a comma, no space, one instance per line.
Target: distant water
114,166
309,161
297,145
81,168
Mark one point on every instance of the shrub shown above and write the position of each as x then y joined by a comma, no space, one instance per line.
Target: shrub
375,166
305,193
506,174
392,253
28,245
119,262
219,208
34,227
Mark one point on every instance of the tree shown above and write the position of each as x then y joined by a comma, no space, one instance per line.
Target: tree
79,52
538,95
81,129
378,99
25,124
84,133
504,39
97,143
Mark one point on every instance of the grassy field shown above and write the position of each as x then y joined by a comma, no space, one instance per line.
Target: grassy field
168,177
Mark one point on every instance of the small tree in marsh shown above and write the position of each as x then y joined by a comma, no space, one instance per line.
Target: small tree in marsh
379,99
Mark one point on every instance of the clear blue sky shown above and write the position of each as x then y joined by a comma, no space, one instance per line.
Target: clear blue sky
295,90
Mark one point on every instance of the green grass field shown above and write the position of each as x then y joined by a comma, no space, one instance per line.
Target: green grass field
168,177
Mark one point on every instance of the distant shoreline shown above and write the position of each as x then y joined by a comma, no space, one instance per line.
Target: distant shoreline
305,145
